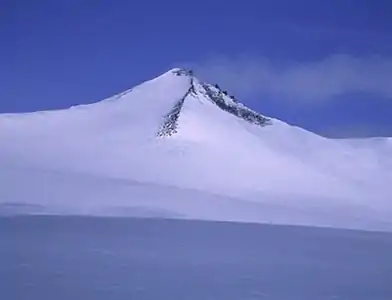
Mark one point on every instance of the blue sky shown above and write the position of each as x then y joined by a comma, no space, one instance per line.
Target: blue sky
322,65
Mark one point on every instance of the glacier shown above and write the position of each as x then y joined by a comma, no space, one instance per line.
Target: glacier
177,147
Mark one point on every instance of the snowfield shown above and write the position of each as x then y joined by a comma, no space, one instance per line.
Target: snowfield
180,148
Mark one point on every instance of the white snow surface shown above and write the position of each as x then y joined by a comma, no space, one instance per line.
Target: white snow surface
106,159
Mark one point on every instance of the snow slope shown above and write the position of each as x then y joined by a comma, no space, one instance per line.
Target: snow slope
177,147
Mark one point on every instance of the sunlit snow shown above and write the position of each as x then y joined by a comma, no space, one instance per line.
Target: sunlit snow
107,158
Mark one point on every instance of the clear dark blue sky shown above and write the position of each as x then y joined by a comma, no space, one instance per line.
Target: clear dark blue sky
322,65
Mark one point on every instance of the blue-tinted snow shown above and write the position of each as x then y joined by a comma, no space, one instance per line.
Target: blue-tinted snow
143,259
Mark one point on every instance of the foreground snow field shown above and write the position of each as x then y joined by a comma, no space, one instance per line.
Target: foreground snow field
180,148
62,258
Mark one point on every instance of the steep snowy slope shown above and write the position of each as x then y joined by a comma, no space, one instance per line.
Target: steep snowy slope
178,147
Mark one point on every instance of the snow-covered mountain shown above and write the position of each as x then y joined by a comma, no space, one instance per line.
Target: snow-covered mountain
178,147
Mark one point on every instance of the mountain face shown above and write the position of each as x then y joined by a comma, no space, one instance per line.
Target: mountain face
215,95
180,148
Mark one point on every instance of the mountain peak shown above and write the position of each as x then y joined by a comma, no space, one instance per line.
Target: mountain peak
182,72
206,93
178,72
180,145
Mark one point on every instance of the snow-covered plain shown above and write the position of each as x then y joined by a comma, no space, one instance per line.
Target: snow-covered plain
173,147
73,257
